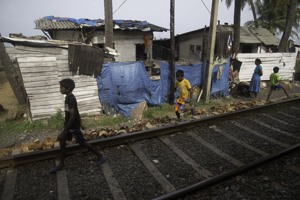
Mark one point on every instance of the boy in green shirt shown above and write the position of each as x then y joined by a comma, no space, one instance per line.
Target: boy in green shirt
274,79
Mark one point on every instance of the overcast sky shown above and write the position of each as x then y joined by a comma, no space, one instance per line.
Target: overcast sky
18,16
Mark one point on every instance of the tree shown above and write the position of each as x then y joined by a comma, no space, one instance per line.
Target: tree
291,11
251,3
238,6
272,15
236,27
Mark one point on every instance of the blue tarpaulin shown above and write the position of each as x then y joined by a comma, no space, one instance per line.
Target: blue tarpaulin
78,21
122,86
194,74
220,87
94,22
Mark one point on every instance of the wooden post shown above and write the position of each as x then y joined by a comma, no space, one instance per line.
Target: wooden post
211,48
108,23
172,62
12,75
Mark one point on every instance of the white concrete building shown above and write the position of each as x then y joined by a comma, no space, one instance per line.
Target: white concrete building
129,37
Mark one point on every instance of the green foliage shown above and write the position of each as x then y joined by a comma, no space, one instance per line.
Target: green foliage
1,69
56,122
272,16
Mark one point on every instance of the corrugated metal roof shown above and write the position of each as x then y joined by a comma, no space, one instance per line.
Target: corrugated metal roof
253,35
248,35
51,23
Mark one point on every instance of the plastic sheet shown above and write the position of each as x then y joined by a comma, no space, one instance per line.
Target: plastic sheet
194,74
122,86
220,87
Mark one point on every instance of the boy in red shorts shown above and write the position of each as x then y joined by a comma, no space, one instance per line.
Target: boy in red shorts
274,79
185,95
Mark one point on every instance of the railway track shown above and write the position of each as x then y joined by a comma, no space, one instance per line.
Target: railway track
163,163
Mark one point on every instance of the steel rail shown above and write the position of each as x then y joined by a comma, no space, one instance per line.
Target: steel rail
222,177
14,160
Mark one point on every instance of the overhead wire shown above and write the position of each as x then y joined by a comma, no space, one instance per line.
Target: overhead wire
205,6
119,6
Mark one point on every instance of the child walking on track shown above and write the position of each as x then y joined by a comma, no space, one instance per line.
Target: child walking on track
185,95
274,79
72,126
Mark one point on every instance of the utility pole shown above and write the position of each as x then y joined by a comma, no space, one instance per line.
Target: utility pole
108,23
172,62
211,49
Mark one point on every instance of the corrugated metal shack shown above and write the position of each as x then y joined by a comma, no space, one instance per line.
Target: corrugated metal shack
43,63
130,37
193,44
285,61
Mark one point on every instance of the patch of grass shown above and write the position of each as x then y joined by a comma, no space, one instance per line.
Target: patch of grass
17,126
23,125
1,69
55,123
159,111
212,102
103,120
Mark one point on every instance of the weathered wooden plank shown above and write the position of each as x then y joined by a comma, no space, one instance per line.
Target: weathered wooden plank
36,59
34,91
50,106
63,61
39,78
87,99
45,110
82,93
38,65
56,102
41,83
43,97
91,112
65,74
50,50
48,102
49,87
13,50
24,55
94,103
42,74
65,52
61,57
88,109
39,69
